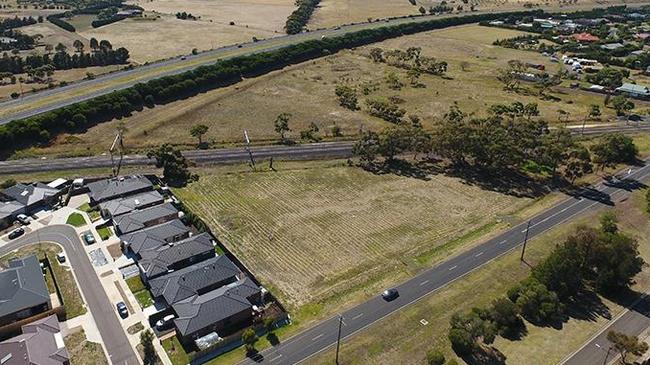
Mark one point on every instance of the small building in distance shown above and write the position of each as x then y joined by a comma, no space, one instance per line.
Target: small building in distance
41,343
118,187
23,292
633,90
585,37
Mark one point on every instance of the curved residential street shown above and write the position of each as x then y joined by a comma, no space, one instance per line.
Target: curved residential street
113,336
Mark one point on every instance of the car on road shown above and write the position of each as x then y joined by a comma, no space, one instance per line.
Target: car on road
390,294
165,322
16,233
60,257
89,238
23,219
122,310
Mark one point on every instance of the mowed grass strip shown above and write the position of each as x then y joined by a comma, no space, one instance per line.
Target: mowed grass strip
321,228
76,220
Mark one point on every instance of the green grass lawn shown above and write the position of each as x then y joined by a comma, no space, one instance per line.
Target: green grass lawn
175,351
76,220
92,212
104,233
135,284
144,298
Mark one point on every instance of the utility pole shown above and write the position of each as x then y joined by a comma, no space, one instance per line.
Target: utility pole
338,340
607,355
248,149
523,249
584,121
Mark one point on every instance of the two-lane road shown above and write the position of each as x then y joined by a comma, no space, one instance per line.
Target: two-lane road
117,345
322,336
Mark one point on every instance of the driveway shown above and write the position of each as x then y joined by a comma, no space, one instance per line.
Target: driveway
110,329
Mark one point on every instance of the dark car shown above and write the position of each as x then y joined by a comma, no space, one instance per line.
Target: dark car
390,294
122,310
16,233
89,238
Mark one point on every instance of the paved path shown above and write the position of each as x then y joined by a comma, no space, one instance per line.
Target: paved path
323,335
115,341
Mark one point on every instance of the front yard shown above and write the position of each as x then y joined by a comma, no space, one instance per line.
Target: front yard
141,293
76,220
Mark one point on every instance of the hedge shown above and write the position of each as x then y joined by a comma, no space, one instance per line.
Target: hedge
78,116
101,22
56,20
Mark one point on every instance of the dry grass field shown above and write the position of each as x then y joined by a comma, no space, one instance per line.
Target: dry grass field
402,336
307,92
320,231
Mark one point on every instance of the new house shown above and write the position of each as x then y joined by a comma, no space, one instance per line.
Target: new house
116,207
117,187
23,292
32,196
144,218
9,210
40,343
154,237
175,256
221,311
193,280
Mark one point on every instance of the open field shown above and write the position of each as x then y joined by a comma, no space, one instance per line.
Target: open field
307,92
402,336
83,352
163,36
317,230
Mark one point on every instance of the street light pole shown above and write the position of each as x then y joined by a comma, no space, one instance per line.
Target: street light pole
607,355
338,340
523,249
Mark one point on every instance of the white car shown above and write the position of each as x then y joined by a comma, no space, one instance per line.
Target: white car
23,219
165,322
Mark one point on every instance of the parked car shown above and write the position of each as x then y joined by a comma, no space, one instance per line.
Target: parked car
23,219
165,322
16,233
60,257
390,294
122,310
89,238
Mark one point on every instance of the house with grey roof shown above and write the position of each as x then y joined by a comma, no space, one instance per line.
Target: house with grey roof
9,210
633,90
223,310
23,292
117,207
41,343
144,218
154,237
117,187
175,256
33,196
196,279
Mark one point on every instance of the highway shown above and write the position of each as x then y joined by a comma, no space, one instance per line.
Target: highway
236,155
322,336
117,345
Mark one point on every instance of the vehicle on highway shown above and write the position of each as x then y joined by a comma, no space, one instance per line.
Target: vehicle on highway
165,322
60,257
23,219
89,238
16,233
390,294
183,58
122,310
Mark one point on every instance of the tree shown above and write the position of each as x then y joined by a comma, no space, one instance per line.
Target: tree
414,76
625,344
385,110
78,45
336,131
94,44
347,97
367,147
249,338
60,48
621,104
505,315
608,77
435,357
198,131
282,125
8,183
510,75
393,81
146,340
608,223
613,149
577,163
469,330
311,133
535,302
422,10
175,166
594,111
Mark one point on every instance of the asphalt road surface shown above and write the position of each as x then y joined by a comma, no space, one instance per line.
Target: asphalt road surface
233,155
103,311
633,322
323,335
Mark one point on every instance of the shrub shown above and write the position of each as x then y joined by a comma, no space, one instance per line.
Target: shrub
435,357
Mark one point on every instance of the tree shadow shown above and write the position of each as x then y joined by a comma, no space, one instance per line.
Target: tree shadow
516,332
273,339
254,355
485,356
587,306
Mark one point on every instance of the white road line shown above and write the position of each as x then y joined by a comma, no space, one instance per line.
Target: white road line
357,316
317,337
478,254
453,267
275,358
502,242
424,282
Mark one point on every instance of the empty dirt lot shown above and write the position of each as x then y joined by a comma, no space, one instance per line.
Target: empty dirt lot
307,92
323,230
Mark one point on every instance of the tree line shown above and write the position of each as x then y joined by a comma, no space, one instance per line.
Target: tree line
603,259
23,41
102,54
299,17
40,128
509,138
16,22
